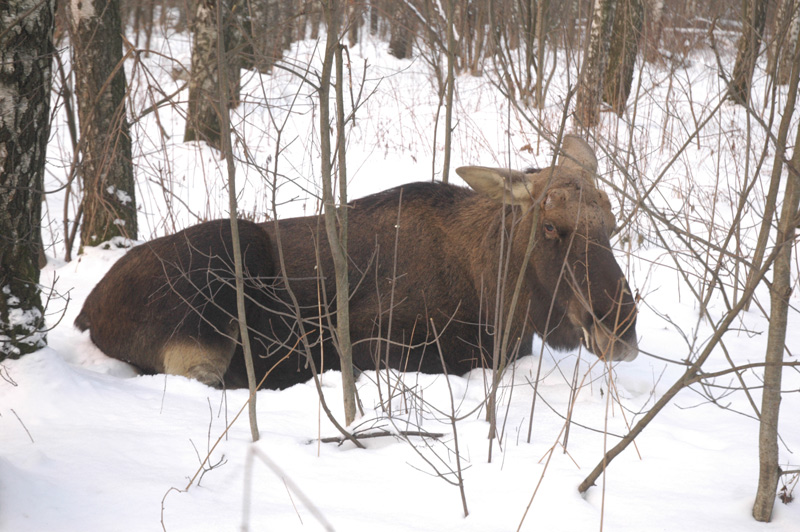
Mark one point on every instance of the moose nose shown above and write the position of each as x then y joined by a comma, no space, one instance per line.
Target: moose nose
609,346
626,350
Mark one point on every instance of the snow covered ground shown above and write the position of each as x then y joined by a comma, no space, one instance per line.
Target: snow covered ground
87,444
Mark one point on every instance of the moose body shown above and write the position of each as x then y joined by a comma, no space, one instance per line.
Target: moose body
432,271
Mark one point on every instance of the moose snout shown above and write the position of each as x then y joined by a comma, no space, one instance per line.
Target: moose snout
610,335
611,346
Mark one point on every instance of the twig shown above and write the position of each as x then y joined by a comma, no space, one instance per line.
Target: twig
384,433
23,425
459,473
307,502
6,376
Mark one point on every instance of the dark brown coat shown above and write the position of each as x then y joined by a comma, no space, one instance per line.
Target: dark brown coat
437,269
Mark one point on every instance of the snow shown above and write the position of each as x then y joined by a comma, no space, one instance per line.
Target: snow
122,196
82,10
25,321
88,444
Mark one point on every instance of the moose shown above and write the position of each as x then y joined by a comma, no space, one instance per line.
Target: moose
433,272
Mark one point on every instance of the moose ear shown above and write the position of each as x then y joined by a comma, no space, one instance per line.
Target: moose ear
609,219
576,155
499,184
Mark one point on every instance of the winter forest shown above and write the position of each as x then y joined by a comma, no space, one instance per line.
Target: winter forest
399,265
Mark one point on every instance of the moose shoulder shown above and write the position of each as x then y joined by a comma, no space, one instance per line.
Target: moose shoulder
432,273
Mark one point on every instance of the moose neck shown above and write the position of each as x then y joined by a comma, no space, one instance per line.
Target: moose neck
499,237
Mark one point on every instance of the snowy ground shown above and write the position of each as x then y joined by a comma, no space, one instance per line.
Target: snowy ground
86,444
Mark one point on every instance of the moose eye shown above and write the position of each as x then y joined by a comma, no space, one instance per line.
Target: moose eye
549,230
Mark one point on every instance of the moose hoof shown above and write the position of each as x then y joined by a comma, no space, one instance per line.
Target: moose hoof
207,374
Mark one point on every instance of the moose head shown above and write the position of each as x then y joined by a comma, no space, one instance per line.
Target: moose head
580,291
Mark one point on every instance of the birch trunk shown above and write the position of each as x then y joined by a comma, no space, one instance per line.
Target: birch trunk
203,114
26,55
587,107
625,37
109,191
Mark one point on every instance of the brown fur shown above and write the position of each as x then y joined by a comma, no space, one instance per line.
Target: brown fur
444,273
437,269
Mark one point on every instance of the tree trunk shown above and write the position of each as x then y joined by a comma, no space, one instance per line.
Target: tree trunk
784,59
202,118
300,22
780,291
287,26
625,37
479,39
355,11
227,150
541,34
402,33
780,31
253,23
451,79
26,53
315,18
336,219
466,31
373,17
109,191
754,17
203,114
770,204
236,43
528,26
654,16
267,33
591,85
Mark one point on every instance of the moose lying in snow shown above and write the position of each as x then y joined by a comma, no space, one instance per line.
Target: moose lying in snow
430,264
